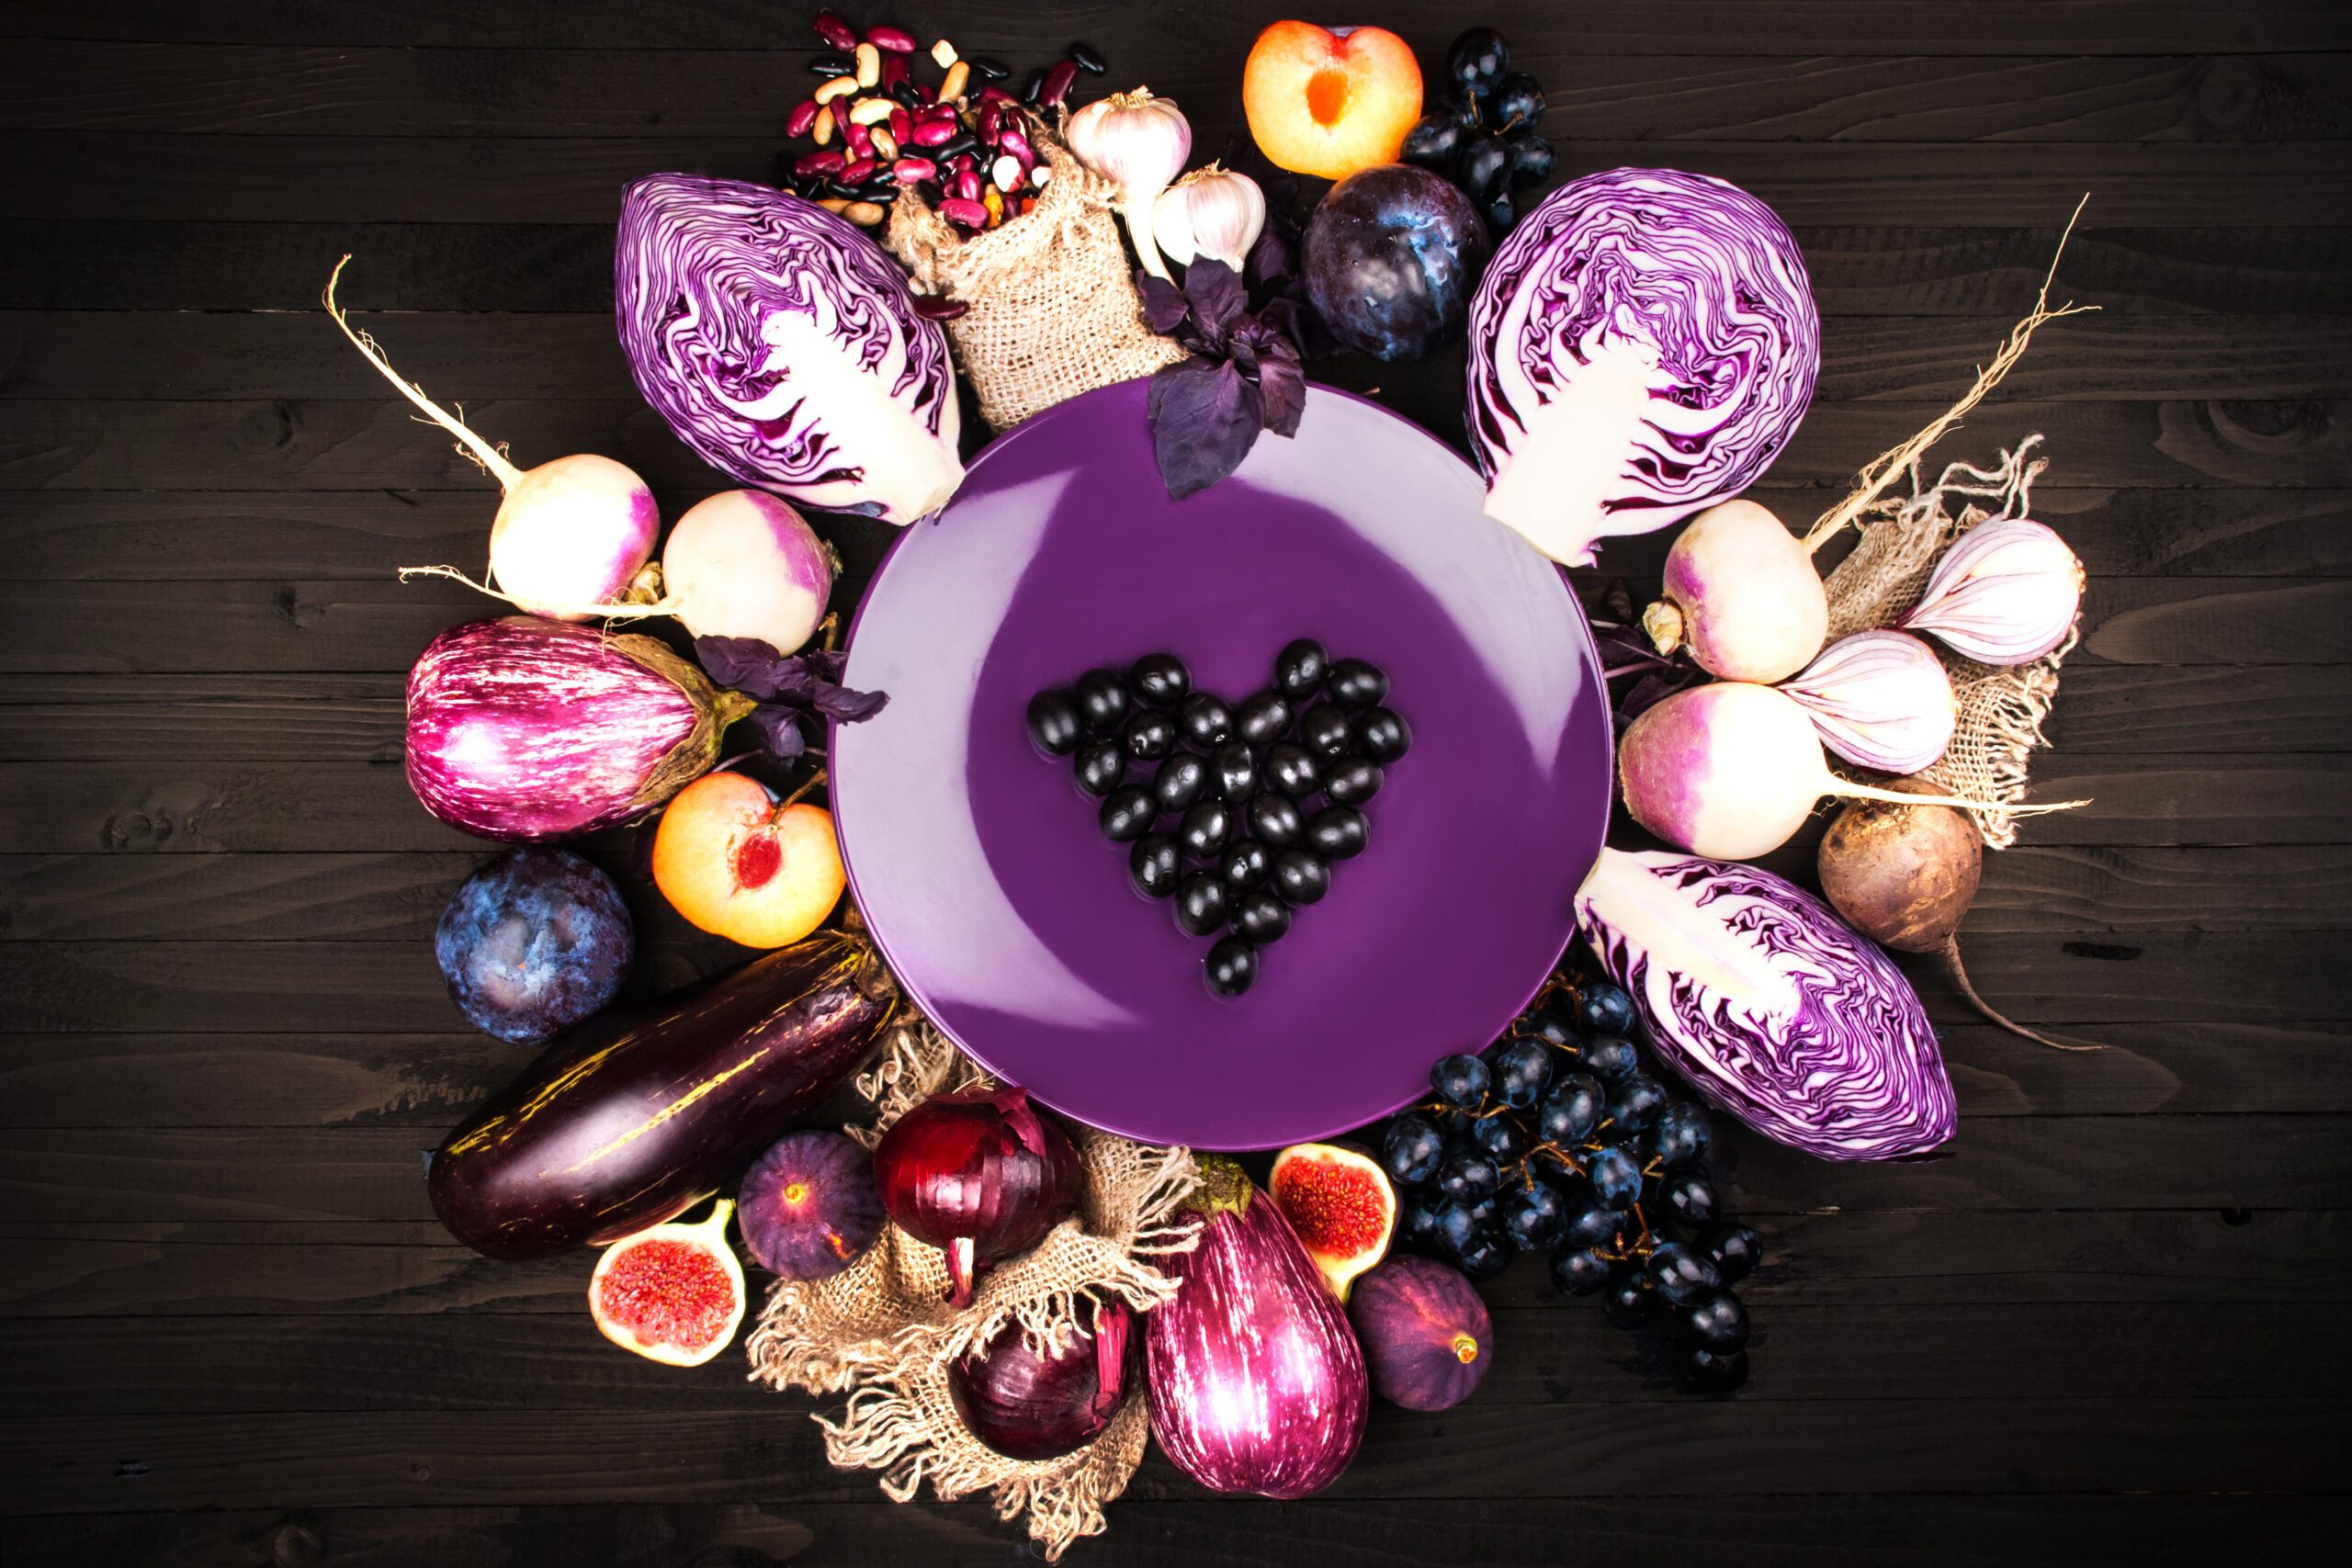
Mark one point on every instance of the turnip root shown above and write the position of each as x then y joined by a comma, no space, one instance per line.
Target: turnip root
569,535
1731,770
743,563
1903,872
1741,592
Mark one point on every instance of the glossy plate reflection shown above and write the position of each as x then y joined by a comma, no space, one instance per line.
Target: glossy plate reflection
977,859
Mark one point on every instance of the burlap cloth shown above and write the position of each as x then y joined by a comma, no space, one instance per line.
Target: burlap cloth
2001,709
881,1329
1051,308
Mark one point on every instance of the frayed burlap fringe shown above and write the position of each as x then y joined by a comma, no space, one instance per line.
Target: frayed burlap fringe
2001,709
881,1329
1050,306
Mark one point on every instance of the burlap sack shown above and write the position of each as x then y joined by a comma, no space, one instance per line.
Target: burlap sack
2001,709
882,1330
1051,309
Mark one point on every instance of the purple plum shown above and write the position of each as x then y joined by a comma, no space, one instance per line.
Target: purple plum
533,942
1392,257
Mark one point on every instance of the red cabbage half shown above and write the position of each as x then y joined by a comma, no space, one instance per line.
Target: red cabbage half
1775,1010
1641,346
783,346
525,730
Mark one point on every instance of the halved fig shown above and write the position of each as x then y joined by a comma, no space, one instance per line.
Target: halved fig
673,1293
1342,1204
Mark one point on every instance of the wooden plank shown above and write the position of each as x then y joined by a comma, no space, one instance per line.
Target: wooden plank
2148,708
102,264
372,444
231,536
1549,1355
1249,1532
113,354
1723,1448
168,1175
273,90
1027,32
85,174
1926,1258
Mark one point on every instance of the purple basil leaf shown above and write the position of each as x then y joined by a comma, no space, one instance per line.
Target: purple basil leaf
1217,298
779,727
1164,305
849,706
744,664
1270,260
1282,389
1204,418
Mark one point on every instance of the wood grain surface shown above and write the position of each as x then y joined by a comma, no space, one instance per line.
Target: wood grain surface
2106,1328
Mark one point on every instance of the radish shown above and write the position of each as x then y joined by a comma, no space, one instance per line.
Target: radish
1740,591
570,534
1731,770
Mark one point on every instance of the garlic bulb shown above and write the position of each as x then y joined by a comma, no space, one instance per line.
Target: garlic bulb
1880,699
2005,593
1210,212
1139,144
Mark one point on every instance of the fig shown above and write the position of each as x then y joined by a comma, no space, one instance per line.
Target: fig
672,1293
1425,1335
1342,1204
809,1205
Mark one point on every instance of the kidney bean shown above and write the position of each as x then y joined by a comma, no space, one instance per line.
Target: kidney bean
971,214
809,164
803,116
833,31
897,41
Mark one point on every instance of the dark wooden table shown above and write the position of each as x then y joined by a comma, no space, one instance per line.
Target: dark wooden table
2109,1325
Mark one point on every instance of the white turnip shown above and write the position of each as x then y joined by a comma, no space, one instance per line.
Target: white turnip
1731,770
570,533
743,563
1741,592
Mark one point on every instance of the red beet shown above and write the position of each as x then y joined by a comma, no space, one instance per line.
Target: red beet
1426,1335
808,1207
979,1175
1029,1406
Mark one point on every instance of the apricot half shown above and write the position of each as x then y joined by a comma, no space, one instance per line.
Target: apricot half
738,865
1330,102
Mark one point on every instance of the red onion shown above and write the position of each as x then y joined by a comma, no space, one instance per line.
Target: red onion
1256,1380
1027,1405
980,1176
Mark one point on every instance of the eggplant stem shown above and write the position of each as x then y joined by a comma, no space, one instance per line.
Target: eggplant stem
605,612
489,456
1949,953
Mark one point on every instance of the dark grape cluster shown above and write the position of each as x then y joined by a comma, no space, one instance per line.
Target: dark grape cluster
1558,1139
1485,138
1236,812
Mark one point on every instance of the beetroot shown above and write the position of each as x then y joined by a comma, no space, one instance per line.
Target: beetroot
1426,1335
809,1206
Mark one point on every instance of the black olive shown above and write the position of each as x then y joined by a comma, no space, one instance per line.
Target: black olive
987,69
1126,815
1102,701
1273,817
1102,763
1531,159
1178,782
1300,878
1338,833
1205,719
1158,679
1358,684
1292,770
1233,772
1153,866
1435,143
1300,667
1200,903
1148,736
1352,781
1482,167
1086,59
1205,829
1054,722
1324,731
1263,718
1518,101
1231,965
1261,917
1383,735
1243,865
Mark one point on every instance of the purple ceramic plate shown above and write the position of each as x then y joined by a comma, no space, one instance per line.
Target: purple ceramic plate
977,859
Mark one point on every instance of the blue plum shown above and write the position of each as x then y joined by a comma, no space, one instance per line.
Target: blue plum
533,942
1392,256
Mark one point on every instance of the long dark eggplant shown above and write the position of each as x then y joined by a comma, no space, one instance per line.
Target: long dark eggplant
637,1115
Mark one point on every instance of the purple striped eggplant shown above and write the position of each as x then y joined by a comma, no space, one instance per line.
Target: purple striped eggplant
1255,1377
637,1115
526,729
